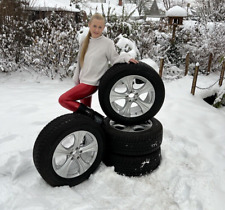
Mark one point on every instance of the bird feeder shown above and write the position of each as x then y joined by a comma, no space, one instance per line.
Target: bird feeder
175,17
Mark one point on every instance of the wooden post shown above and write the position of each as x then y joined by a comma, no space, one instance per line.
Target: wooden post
186,64
222,74
174,31
195,79
188,6
209,63
161,66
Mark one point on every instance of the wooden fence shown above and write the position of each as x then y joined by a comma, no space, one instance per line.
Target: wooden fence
194,82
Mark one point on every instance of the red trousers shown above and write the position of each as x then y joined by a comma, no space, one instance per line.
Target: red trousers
80,92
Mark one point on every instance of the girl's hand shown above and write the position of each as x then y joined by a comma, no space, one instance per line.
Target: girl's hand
133,61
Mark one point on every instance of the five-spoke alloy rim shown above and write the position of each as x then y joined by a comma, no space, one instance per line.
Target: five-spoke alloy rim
132,96
75,154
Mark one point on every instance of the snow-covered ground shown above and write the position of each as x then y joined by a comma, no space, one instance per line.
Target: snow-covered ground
190,176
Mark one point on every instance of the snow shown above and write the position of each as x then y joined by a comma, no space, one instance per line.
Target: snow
127,46
176,11
190,176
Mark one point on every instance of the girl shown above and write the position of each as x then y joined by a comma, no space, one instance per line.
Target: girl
95,52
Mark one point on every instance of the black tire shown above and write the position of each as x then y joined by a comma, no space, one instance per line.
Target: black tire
68,150
134,140
131,93
133,166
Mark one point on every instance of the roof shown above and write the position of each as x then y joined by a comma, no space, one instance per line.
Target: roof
49,5
151,9
176,11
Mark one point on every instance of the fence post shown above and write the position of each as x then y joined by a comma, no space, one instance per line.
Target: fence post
161,66
209,63
222,74
195,79
186,64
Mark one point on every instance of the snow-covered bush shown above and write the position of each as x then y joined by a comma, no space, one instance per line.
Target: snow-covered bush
54,48
14,31
142,36
201,40
212,10
145,39
48,46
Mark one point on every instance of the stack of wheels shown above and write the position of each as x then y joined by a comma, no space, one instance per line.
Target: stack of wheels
71,147
131,95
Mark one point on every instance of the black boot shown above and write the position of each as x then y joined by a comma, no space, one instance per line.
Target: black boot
82,109
98,118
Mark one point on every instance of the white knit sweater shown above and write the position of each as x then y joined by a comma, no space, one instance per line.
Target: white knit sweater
100,52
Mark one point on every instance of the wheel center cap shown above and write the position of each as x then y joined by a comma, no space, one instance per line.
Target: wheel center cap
75,153
131,95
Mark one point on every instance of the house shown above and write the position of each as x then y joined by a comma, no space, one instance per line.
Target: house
43,8
151,9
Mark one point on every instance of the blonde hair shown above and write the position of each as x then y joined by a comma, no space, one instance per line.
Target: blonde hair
87,38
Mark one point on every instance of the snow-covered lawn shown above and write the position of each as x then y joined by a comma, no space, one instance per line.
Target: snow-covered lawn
191,175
